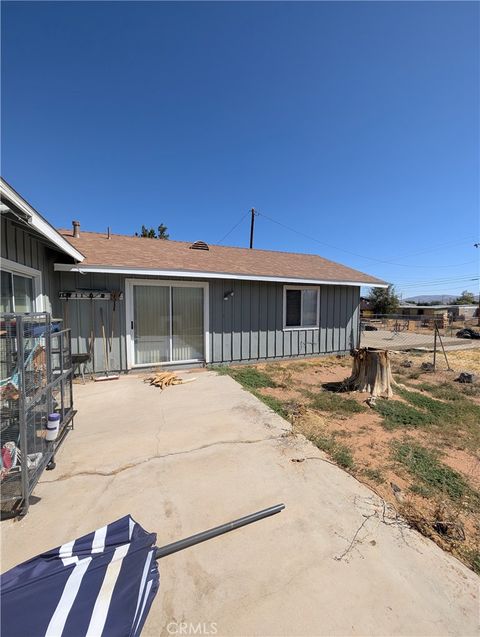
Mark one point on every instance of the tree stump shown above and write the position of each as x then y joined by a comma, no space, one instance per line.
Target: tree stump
371,372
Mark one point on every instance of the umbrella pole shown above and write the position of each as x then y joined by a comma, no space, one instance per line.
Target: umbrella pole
180,545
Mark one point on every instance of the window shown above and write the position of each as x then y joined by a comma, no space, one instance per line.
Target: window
17,292
300,307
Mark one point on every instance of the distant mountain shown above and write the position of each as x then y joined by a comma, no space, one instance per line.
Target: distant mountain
444,299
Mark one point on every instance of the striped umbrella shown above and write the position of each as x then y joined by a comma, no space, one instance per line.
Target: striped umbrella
102,584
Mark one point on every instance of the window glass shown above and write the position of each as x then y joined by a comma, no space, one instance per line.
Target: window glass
309,306
294,308
22,293
301,307
7,293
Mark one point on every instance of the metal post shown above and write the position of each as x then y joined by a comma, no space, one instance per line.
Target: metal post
180,545
444,352
50,385
477,245
434,344
48,348
22,413
252,225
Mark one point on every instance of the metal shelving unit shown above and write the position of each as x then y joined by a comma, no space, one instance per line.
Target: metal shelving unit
36,380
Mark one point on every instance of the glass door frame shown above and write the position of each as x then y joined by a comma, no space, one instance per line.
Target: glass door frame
129,318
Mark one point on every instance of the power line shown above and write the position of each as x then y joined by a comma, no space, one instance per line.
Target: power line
439,280
446,282
234,227
443,292
439,246
355,254
432,285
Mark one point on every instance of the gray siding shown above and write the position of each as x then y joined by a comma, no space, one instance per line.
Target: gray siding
24,247
249,325
84,318
246,327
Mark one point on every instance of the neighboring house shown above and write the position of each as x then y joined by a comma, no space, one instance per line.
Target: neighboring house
170,302
455,312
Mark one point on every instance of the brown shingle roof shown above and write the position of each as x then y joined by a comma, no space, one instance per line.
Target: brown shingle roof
121,251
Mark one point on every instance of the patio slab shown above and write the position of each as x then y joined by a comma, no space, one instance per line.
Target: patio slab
199,454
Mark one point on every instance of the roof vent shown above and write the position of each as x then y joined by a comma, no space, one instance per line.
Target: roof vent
199,245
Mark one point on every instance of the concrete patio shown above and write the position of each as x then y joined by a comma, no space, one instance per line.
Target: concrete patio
199,454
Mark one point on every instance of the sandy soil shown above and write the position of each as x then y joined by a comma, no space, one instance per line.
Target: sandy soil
370,443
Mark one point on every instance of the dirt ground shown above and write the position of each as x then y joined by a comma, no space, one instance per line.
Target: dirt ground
429,472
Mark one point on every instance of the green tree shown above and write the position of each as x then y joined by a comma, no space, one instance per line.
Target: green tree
162,232
466,298
149,233
383,300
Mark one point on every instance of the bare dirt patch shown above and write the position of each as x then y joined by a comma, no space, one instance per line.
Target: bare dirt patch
419,451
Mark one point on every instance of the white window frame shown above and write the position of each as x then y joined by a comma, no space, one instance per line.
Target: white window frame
290,328
29,273
129,316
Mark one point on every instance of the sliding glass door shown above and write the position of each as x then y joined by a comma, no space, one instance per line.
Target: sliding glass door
151,305
167,322
187,324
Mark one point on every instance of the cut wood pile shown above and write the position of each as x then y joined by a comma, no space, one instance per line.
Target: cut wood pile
165,379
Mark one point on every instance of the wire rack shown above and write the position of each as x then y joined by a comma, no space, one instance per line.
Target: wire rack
36,380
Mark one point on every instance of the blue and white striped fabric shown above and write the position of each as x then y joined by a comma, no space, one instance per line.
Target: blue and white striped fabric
101,584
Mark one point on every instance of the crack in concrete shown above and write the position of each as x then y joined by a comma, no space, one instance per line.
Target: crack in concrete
132,465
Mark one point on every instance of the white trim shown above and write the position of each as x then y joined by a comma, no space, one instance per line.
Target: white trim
291,328
84,269
35,220
129,314
26,271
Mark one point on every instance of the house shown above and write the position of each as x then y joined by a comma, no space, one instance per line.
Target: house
142,302
454,312
30,247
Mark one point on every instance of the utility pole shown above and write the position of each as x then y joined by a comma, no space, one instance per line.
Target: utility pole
477,245
252,225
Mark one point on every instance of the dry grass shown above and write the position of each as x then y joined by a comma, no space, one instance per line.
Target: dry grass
425,441
465,360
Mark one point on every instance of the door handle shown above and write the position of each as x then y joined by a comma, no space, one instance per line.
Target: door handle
131,325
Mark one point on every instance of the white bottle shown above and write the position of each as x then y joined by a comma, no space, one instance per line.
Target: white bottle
53,425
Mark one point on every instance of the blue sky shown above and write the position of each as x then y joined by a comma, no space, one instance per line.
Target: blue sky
352,128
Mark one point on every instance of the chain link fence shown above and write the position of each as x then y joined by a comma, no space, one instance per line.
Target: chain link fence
434,334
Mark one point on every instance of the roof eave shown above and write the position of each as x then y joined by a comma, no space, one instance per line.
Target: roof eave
83,269
36,221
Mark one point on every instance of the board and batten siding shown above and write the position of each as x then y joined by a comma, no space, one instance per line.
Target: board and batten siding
21,246
247,326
